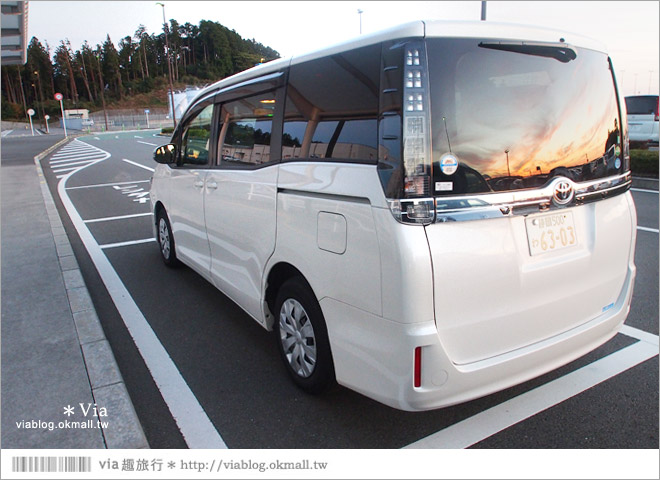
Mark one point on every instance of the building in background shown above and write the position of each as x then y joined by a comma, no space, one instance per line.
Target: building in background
14,32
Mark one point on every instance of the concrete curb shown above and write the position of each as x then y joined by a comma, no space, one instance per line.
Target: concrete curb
106,383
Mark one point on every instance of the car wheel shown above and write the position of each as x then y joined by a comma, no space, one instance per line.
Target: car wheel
166,239
302,337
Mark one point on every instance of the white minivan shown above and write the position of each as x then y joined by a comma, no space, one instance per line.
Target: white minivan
424,215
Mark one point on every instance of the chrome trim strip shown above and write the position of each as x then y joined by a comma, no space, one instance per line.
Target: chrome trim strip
520,202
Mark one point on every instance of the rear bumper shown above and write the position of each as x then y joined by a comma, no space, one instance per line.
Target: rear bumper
374,356
651,137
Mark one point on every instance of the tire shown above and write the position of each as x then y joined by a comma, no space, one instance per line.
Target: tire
302,337
165,239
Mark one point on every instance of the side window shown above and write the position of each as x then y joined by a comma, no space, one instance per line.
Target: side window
246,127
195,139
332,107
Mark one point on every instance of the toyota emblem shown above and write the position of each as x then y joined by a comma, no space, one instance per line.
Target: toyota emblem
563,193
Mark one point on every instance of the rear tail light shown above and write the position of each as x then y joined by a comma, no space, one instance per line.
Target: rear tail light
415,204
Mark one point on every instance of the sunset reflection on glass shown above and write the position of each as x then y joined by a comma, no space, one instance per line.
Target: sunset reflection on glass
518,119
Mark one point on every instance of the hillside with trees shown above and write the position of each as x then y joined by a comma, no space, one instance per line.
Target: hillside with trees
132,74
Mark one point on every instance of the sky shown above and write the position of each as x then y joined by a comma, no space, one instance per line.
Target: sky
629,29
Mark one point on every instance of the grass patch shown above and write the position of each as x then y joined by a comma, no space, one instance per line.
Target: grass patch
167,130
644,163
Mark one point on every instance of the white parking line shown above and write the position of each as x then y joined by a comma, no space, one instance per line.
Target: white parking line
197,429
138,164
644,190
6,132
69,169
120,217
147,143
647,229
107,184
68,163
73,156
54,163
129,243
489,422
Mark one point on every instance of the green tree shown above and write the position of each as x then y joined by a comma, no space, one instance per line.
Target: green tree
111,68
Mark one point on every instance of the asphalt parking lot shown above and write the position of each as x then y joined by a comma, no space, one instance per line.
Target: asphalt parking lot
210,355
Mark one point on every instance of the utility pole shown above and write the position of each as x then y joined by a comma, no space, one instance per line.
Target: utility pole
169,64
360,12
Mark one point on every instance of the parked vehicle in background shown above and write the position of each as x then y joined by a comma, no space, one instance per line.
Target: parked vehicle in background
426,215
643,119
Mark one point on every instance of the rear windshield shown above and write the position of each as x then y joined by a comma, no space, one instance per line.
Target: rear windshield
514,115
645,105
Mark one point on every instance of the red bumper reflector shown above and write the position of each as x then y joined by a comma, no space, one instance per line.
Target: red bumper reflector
418,368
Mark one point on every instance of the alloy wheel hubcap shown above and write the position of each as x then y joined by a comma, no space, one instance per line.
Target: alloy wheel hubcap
164,237
297,337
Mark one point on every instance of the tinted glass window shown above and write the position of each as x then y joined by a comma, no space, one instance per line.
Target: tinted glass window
643,105
516,117
195,139
332,107
245,130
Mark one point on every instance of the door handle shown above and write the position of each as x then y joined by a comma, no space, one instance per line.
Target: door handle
198,184
212,185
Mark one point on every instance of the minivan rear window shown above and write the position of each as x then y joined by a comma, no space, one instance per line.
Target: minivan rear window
515,117
642,105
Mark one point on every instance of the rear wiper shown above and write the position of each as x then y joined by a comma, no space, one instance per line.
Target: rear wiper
559,51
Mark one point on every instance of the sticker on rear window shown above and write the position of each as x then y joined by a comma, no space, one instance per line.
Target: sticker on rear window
448,164
444,186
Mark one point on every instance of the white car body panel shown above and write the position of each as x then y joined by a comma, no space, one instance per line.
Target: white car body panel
240,222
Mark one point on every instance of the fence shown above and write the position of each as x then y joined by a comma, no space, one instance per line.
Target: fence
119,120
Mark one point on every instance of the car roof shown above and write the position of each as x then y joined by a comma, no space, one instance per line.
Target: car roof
421,28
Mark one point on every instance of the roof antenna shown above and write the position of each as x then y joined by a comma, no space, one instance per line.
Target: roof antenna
447,133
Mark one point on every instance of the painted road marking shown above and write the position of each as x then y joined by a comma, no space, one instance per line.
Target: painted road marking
6,132
500,417
646,229
69,169
77,162
138,164
74,156
195,426
643,190
98,185
119,217
126,244
147,143
73,159
141,195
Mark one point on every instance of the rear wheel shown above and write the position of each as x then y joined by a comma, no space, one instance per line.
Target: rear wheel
166,239
302,337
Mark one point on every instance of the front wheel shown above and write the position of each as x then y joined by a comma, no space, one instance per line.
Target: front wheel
302,337
166,239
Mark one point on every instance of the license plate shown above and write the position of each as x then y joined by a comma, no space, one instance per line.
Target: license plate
549,233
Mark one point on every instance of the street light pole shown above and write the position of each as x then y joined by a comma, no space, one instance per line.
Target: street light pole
169,64
483,11
360,12
41,93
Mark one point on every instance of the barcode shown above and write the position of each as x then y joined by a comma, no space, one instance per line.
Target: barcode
51,464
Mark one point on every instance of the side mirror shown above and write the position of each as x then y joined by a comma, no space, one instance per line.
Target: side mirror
165,154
